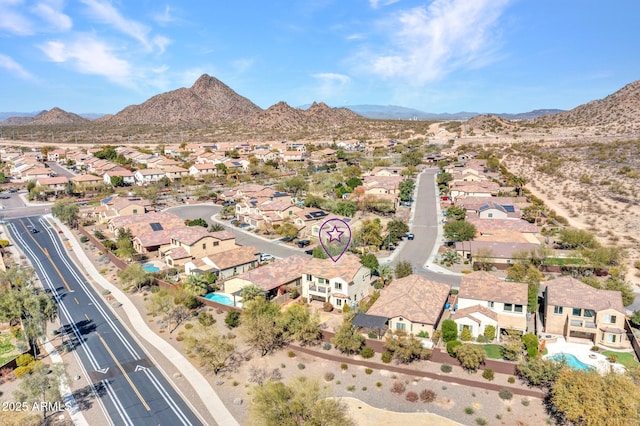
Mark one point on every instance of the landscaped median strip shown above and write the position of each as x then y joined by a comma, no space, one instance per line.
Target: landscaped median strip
442,377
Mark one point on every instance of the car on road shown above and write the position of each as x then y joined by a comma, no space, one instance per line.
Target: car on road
409,236
4,197
229,203
32,229
303,243
265,257
406,203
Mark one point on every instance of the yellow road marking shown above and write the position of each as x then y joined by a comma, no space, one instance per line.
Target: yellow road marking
124,373
77,303
87,317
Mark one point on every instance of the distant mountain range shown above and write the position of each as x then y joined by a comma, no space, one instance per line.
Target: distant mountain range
403,113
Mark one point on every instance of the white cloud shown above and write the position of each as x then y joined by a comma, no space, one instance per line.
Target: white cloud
52,13
331,84
88,55
14,21
428,43
14,68
241,66
106,13
165,17
377,3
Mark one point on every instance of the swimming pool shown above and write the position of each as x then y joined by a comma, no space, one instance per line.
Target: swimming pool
150,267
571,361
220,298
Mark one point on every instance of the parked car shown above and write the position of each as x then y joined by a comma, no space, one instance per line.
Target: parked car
406,203
410,236
265,257
303,243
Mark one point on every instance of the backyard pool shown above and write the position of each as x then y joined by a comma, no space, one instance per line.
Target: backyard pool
150,267
571,361
220,298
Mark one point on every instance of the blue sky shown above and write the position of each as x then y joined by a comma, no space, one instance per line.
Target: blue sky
437,56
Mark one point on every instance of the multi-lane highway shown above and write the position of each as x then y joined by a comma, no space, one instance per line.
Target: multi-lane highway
130,388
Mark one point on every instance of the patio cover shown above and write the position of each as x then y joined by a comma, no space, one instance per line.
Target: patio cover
370,321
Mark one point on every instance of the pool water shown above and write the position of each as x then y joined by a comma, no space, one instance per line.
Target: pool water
220,298
150,267
571,361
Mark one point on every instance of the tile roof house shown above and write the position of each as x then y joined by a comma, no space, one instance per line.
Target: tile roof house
505,303
53,184
574,309
412,304
86,181
226,264
140,223
346,281
121,206
125,174
272,278
473,189
197,243
199,170
496,253
148,176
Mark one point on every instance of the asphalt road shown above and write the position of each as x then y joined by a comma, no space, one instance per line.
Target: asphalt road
130,387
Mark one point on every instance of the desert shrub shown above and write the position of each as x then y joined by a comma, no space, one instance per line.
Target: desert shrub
481,421
465,335
372,335
488,374
595,348
343,366
329,376
427,395
327,307
367,352
364,388
368,371
84,239
386,357
446,368
206,320
511,379
412,396
505,394
188,326
326,346
291,354
469,410
24,360
449,330
482,339
301,366
232,319
398,387
525,402
612,358
452,345
423,334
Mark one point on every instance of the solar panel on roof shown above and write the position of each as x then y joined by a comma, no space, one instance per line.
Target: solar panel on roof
156,226
509,209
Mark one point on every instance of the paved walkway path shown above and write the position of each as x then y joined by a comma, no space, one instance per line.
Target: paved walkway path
211,399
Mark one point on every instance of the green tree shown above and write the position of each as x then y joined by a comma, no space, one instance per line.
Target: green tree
449,330
635,318
406,349
124,244
227,211
470,356
385,273
370,261
301,324
345,208
369,233
287,230
303,402
295,185
403,269
443,178
540,372
216,227
456,213
490,332
232,319
530,342
251,292
261,323
406,188
212,350
42,387
134,275
196,222
353,182
512,342
531,275
459,230
319,253
348,338
573,238
411,158
465,335
587,398
67,211
396,229
117,181
200,284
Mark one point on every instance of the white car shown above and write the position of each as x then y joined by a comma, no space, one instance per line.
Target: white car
265,257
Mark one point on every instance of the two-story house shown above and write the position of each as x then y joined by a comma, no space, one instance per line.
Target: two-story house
273,278
148,176
574,309
343,282
484,299
195,242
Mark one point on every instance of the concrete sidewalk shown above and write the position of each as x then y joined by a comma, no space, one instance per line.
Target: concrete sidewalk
211,400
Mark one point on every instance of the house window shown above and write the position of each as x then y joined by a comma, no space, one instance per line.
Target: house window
338,286
611,338
401,326
557,309
204,246
508,307
577,312
490,215
589,313
339,302
309,277
135,211
216,243
610,319
490,303
518,308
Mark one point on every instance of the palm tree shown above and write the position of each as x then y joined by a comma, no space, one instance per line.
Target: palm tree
385,272
519,182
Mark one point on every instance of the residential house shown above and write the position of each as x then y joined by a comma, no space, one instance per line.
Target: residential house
56,155
574,309
387,171
264,155
126,175
308,219
148,176
274,278
55,184
121,206
34,173
296,156
473,189
82,183
496,253
484,299
199,170
226,264
343,282
175,173
195,242
140,223
491,226
412,304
